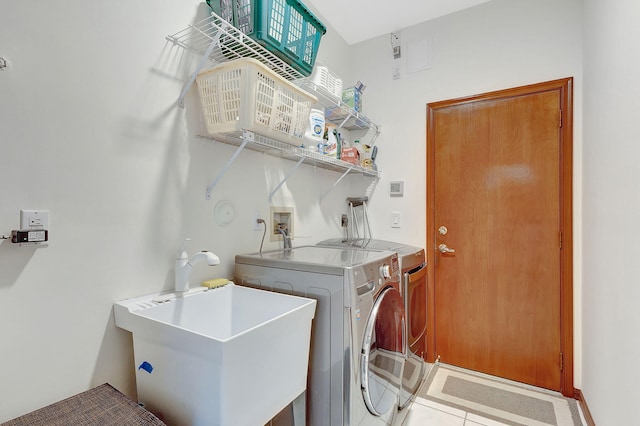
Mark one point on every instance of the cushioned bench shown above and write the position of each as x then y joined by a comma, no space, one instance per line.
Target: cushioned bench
103,405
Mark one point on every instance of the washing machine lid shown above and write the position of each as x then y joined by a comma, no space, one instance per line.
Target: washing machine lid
383,353
324,260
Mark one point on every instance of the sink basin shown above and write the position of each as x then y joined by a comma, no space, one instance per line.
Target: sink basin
227,356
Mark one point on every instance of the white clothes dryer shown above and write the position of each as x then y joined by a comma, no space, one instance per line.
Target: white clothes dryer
413,271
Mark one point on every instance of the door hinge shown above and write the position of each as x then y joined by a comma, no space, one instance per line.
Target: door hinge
560,240
559,118
561,361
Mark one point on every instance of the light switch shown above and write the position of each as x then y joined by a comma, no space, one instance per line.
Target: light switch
396,219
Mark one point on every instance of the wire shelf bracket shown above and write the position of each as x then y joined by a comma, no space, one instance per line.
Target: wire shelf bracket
335,184
246,138
291,172
215,42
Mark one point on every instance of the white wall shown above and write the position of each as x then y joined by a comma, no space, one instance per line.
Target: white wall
611,318
89,129
496,45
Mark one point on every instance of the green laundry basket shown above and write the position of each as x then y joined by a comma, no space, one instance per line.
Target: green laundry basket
284,27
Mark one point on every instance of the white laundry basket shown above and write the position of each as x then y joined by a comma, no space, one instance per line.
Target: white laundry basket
246,95
323,77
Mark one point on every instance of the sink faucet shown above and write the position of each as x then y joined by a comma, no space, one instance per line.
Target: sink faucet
184,265
286,239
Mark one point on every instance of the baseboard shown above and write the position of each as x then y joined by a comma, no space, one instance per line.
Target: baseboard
579,396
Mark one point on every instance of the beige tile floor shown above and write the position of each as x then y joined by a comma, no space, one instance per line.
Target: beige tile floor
424,412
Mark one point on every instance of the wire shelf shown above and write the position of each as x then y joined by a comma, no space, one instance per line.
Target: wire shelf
272,147
233,44
335,110
217,40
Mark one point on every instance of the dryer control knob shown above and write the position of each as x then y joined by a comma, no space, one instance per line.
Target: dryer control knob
385,271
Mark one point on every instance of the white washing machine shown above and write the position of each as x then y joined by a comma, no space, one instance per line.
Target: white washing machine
413,272
357,344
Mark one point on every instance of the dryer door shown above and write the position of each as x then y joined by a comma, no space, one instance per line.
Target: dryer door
382,359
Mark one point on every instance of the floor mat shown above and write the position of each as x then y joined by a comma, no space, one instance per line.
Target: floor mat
508,403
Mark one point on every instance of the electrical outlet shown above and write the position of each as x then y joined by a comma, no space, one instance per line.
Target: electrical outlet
34,228
258,226
34,219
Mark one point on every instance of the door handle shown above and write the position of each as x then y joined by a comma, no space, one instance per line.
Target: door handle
442,248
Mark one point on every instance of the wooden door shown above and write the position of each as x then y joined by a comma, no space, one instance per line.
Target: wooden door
497,219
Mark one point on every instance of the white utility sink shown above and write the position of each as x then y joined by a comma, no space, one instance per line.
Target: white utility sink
227,356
